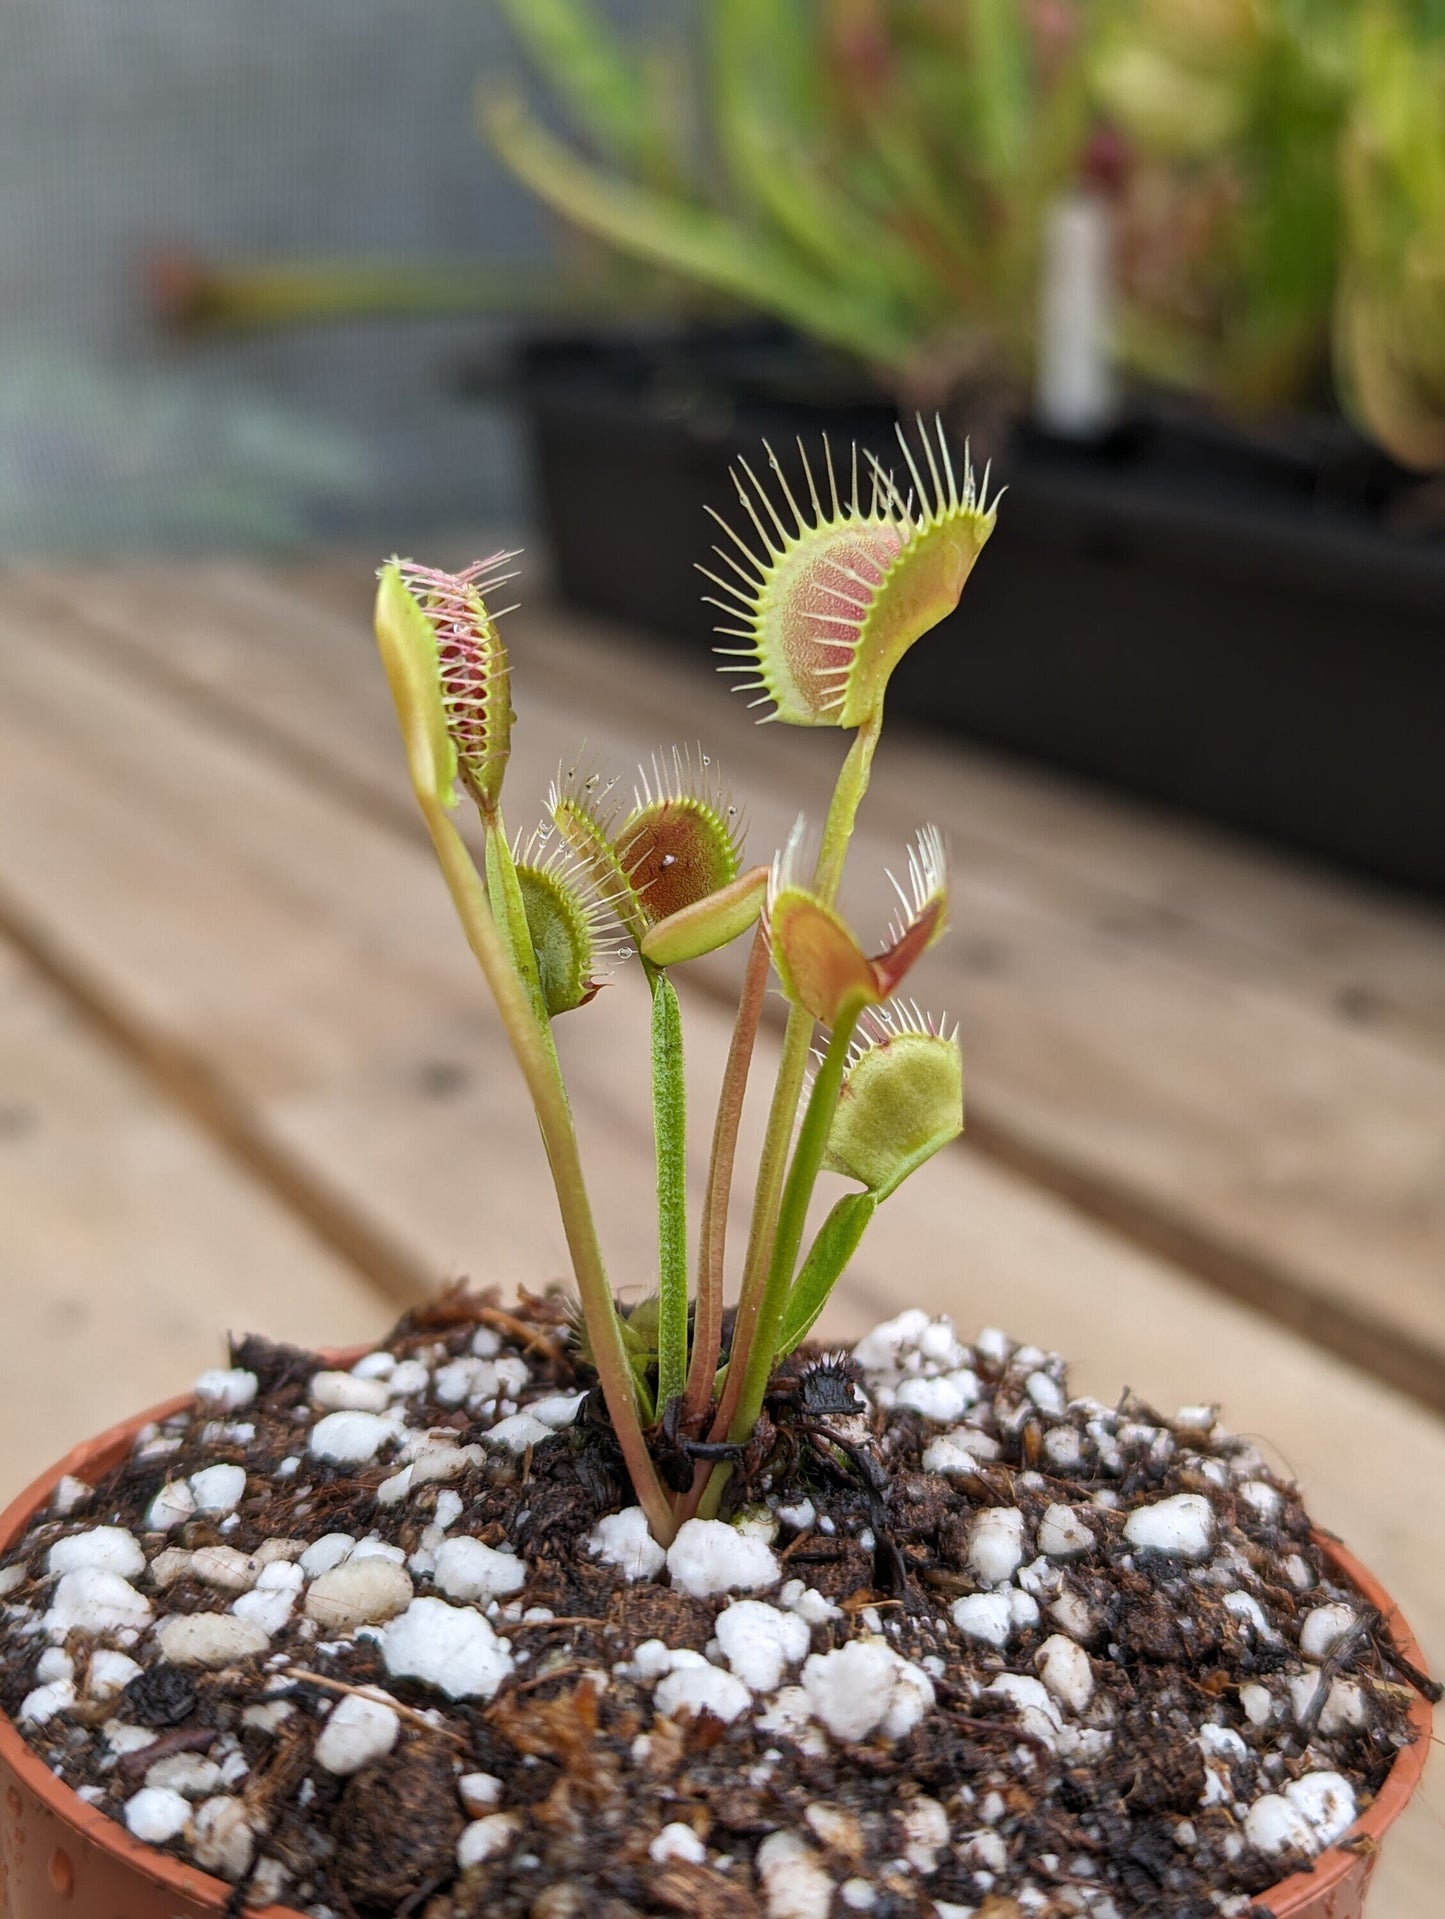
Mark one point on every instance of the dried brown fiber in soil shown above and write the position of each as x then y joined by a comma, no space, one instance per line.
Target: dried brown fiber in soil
392,1641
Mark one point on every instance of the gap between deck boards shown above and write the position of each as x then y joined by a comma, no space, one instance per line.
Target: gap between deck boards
1134,1216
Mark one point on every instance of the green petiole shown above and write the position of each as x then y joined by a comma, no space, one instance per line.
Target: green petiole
669,1117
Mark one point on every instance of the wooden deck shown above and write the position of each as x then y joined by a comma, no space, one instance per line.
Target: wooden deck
248,1076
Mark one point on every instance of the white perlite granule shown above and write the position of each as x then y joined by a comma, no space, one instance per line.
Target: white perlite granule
226,1391
94,1601
326,1552
1182,1525
624,1541
708,1556
1038,1714
450,1647
40,1706
466,1569
948,1455
1309,1814
987,1617
677,1842
358,1732
795,1882
759,1642
942,1398
911,1345
485,1838
1321,1631
186,1773
172,1506
224,1568
1062,1534
1065,1670
694,1688
925,1833
557,1409
517,1433
995,1544
866,1687
108,1548
346,1393
209,1639
361,1591
222,1838
351,1439
219,1489
479,1791
110,1672
156,1814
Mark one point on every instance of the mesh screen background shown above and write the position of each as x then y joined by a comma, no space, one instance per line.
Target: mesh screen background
239,127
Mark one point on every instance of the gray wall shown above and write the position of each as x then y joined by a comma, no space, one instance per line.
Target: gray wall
293,126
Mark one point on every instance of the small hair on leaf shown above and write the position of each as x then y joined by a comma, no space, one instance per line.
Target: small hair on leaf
586,814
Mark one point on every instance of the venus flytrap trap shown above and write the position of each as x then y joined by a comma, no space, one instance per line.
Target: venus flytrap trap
827,599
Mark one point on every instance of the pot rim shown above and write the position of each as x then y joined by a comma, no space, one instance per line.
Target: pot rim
161,1868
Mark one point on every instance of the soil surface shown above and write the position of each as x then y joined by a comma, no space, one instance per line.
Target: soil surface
395,1642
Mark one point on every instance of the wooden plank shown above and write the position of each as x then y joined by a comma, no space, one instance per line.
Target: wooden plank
1218,1099
130,1243
305,953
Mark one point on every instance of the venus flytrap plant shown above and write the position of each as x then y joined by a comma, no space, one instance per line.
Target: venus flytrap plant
828,600
828,606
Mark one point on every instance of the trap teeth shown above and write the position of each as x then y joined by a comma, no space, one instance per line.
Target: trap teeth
826,606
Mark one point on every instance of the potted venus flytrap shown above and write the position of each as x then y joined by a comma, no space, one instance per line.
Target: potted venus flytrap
557,1609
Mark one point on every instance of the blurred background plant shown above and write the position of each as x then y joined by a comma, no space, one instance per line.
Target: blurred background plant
876,174
1232,112
873,174
1284,205
1389,316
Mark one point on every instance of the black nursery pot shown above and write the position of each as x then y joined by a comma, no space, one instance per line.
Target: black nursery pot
1253,632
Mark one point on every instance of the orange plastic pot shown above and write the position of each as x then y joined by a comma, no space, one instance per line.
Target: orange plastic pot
61,1859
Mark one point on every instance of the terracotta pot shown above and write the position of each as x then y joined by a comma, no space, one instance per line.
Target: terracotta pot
61,1859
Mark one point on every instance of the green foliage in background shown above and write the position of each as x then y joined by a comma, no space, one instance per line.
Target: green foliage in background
1390,309
1294,151
875,173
